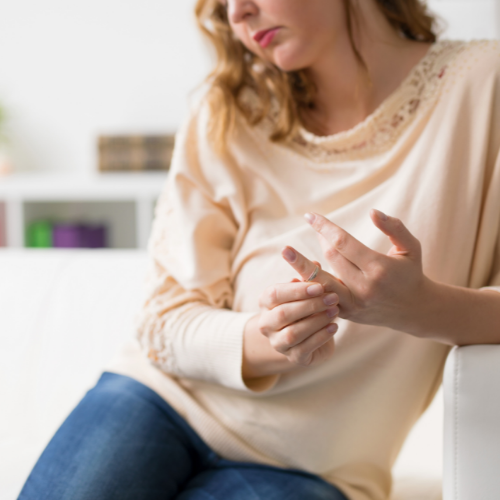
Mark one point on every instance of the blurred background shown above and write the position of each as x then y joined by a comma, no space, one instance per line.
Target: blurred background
91,93
114,74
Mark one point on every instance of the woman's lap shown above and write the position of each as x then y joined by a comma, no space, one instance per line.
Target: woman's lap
115,444
253,482
125,442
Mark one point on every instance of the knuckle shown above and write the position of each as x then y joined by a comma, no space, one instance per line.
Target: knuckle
378,271
319,223
339,240
281,316
298,357
288,336
331,253
272,296
262,326
276,344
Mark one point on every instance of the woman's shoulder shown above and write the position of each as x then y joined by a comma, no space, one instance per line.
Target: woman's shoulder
196,156
474,62
201,115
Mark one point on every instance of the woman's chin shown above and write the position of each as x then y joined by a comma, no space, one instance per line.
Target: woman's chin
288,62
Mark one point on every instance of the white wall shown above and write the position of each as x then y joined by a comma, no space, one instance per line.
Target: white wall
70,69
469,19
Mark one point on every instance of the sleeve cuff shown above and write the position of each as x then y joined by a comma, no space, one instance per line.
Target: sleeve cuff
211,348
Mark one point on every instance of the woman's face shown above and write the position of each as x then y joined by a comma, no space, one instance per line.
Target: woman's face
292,34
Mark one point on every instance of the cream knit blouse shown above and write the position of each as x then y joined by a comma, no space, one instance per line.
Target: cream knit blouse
428,155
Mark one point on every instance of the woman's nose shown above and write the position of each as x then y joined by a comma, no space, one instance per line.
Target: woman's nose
239,10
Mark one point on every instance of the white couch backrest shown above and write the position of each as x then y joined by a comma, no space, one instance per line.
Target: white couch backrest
63,316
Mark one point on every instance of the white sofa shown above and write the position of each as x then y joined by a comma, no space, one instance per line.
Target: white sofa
64,314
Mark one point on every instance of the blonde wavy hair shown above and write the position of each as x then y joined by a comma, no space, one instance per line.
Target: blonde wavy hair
238,70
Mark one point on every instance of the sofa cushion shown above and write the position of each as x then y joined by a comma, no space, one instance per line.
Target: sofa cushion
64,315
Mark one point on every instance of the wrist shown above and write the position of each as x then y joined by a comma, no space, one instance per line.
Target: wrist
424,309
260,359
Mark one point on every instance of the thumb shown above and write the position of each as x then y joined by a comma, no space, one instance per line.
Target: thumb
404,242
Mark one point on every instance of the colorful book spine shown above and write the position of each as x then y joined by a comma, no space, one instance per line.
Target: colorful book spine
44,234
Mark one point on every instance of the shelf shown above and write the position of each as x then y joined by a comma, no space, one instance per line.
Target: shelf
96,186
123,201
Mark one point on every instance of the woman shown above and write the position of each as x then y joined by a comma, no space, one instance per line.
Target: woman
260,385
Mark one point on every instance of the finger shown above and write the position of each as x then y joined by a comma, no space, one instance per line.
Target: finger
339,239
304,352
299,331
323,353
286,314
301,264
306,267
282,293
343,269
404,242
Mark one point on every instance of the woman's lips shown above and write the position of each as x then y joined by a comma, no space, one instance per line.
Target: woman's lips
265,37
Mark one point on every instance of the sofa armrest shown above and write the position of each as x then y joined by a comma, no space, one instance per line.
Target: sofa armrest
472,423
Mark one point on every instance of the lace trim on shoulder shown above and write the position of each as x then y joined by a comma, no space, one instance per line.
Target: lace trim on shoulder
377,133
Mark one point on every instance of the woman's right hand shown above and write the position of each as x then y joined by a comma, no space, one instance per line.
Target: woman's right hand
298,319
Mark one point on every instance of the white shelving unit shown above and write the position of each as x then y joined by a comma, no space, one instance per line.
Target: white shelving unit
123,201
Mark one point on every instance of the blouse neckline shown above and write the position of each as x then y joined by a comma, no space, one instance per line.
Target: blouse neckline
381,129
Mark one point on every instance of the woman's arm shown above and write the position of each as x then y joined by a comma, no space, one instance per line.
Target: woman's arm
391,290
187,326
456,315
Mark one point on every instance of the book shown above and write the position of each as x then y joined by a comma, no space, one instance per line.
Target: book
133,153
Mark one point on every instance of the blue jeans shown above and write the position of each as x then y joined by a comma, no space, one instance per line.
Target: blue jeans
124,442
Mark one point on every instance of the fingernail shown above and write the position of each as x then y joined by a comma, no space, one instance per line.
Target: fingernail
332,328
315,290
309,217
332,311
380,214
289,255
330,299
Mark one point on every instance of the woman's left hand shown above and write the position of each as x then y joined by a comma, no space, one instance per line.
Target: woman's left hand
374,288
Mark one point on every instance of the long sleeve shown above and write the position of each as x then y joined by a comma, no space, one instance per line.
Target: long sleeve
494,280
488,262
186,326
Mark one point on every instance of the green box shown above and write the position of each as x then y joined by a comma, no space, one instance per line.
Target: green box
39,234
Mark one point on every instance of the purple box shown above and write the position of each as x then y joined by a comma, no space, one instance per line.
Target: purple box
66,236
94,236
79,236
